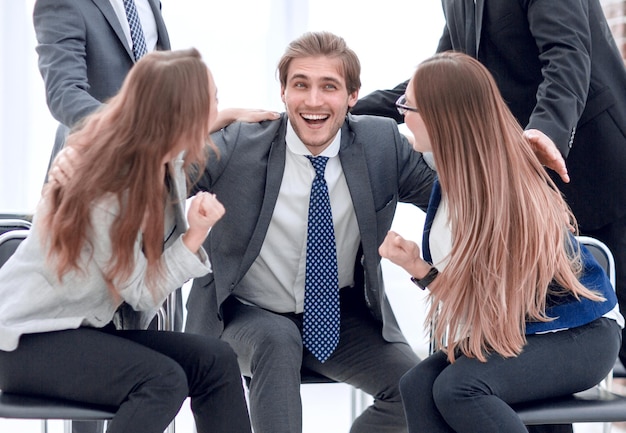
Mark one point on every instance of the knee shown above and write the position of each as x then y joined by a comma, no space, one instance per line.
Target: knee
443,395
168,383
212,354
224,356
412,384
451,388
280,346
263,339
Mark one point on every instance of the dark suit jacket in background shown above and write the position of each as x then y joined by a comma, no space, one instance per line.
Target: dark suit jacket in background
559,70
380,168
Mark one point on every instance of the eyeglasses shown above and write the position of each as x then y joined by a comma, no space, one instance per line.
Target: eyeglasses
402,107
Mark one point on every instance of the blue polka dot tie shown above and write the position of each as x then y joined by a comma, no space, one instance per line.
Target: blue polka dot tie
136,32
321,288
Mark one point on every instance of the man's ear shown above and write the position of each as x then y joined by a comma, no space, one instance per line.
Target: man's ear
352,98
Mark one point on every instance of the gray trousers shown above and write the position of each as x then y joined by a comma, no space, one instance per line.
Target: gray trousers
269,349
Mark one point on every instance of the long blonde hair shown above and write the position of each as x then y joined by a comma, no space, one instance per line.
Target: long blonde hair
510,239
163,106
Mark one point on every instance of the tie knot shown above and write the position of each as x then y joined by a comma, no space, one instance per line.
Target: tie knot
319,164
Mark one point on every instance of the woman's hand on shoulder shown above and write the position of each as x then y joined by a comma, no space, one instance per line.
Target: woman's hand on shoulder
204,211
229,115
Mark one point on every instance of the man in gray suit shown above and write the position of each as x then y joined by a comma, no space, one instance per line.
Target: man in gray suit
255,298
85,51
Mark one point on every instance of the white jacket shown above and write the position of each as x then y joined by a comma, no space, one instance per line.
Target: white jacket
32,299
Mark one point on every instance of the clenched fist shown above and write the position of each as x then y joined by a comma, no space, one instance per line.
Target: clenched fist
204,211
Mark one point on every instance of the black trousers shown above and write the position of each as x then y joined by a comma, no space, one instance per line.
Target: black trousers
147,374
472,396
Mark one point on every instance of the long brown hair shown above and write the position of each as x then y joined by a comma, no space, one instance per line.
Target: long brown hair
508,220
163,106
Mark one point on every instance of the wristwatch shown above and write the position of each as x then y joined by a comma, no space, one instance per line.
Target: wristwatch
428,278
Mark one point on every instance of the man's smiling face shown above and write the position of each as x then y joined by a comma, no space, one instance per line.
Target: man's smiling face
316,100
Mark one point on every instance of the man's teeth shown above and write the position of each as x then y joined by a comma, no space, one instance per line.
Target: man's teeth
314,116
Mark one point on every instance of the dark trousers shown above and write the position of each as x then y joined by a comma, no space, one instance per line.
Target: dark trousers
470,396
269,349
147,374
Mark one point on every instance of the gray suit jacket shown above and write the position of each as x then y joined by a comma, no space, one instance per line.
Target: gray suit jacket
380,167
83,55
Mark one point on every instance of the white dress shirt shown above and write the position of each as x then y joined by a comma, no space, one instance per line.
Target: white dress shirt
276,279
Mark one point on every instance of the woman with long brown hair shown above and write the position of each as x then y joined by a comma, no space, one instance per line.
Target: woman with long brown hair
518,299
113,233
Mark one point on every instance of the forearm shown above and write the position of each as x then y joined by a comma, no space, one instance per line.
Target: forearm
564,43
61,37
381,103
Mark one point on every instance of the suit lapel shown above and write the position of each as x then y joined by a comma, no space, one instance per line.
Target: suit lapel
163,41
480,7
355,170
454,12
179,195
110,15
274,177
433,204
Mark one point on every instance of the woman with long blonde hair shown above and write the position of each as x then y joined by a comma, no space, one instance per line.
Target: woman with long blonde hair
115,232
516,296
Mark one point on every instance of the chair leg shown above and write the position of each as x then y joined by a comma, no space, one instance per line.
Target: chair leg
353,403
44,426
359,402
171,428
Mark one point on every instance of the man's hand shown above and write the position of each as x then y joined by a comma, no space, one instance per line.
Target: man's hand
547,152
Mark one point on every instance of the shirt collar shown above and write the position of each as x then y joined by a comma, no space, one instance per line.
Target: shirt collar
296,145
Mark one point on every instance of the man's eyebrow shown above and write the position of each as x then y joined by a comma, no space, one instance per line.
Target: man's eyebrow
307,78
333,80
298,77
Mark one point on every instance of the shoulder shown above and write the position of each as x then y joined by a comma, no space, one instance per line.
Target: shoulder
52,18
60,8
383,131
248,132
366,121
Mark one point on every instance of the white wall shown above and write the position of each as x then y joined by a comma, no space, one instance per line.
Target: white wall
241,40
